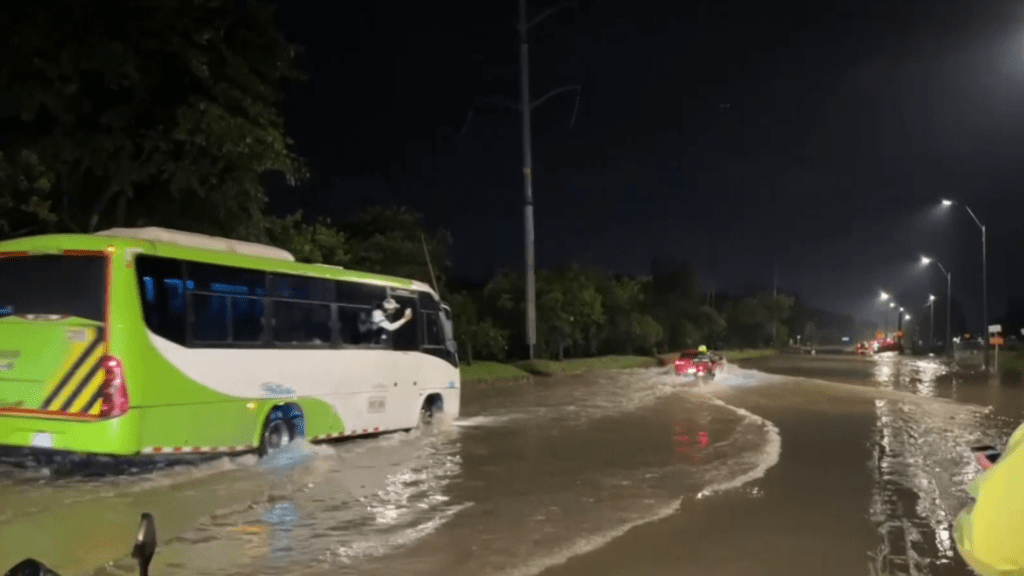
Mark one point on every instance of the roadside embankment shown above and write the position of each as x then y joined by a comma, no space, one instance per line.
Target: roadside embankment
730,355
486,372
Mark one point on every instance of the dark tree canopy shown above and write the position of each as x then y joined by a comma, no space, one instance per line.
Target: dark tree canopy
165,112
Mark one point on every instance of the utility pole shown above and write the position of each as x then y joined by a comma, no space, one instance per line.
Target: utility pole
524,99
775,296
525,105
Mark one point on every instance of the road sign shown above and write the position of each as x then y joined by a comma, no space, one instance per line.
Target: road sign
996,340
995,328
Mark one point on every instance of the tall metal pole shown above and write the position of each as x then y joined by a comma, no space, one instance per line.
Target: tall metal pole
984,290
524,98
931,325
984,282
949,298
775,295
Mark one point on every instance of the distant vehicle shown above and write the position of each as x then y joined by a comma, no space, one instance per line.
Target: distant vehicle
145,547
152,342
694,363
969,354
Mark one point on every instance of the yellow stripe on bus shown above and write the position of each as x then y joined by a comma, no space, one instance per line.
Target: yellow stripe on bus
74,383
85,396
77,349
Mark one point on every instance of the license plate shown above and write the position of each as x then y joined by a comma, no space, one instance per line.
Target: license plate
42,440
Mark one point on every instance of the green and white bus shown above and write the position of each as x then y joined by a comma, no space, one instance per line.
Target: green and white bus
143,341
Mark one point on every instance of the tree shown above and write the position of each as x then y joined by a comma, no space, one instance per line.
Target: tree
569,312
320,242
147,112
389,240
477,337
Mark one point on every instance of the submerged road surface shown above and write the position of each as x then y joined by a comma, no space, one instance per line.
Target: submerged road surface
772,470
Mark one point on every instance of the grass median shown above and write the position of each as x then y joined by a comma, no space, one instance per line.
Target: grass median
486,372
730,355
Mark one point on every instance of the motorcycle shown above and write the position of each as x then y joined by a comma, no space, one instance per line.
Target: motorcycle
145,547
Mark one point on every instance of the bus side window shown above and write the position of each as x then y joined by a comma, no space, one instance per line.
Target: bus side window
163,296
435,336
355,325
302,288
246,319
407,336
355,311
302,322
210,314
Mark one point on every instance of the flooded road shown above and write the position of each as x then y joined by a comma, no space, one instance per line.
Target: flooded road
837,465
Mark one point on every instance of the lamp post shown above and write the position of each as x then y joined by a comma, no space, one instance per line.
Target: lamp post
885,315
949,289
984,276
891,305
931,320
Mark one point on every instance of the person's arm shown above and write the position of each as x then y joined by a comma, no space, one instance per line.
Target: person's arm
380,320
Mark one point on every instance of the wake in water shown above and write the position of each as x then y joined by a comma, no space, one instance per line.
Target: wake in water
580,466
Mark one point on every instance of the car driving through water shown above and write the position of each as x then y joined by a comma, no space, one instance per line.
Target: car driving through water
698,363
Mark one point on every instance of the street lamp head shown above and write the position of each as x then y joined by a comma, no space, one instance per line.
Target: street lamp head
907,317
931,297
925,260
947,202
885,296
892,304
901,308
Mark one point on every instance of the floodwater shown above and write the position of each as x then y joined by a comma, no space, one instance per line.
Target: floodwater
795,464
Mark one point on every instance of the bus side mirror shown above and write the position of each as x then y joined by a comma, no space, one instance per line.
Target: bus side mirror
145,543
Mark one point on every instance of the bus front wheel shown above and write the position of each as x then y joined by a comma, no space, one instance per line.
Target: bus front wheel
433,406
283,425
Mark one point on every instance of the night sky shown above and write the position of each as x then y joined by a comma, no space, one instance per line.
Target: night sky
819,134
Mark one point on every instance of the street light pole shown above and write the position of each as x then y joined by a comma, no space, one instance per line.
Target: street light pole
984,277
931,321
984,282
949,292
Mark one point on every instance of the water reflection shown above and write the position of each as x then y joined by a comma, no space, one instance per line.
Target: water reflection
921,468
919,376
281,519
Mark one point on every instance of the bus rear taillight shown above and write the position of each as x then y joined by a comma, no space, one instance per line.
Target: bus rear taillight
114,392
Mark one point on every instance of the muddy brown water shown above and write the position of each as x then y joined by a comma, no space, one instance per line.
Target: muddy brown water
838,465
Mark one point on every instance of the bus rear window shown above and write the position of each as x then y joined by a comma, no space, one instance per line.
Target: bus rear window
58,285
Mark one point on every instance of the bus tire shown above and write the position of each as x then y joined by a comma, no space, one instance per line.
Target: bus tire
432,406
283,425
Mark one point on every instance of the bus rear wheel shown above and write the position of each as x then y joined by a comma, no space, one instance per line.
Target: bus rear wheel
283,425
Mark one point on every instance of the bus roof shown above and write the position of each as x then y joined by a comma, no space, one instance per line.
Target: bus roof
231,253
196,240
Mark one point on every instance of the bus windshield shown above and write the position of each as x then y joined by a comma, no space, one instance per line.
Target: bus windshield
57,285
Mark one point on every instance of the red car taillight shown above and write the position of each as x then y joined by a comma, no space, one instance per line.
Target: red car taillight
114,392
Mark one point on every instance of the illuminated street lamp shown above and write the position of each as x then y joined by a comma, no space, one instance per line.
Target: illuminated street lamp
949,289
885,296
984,274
